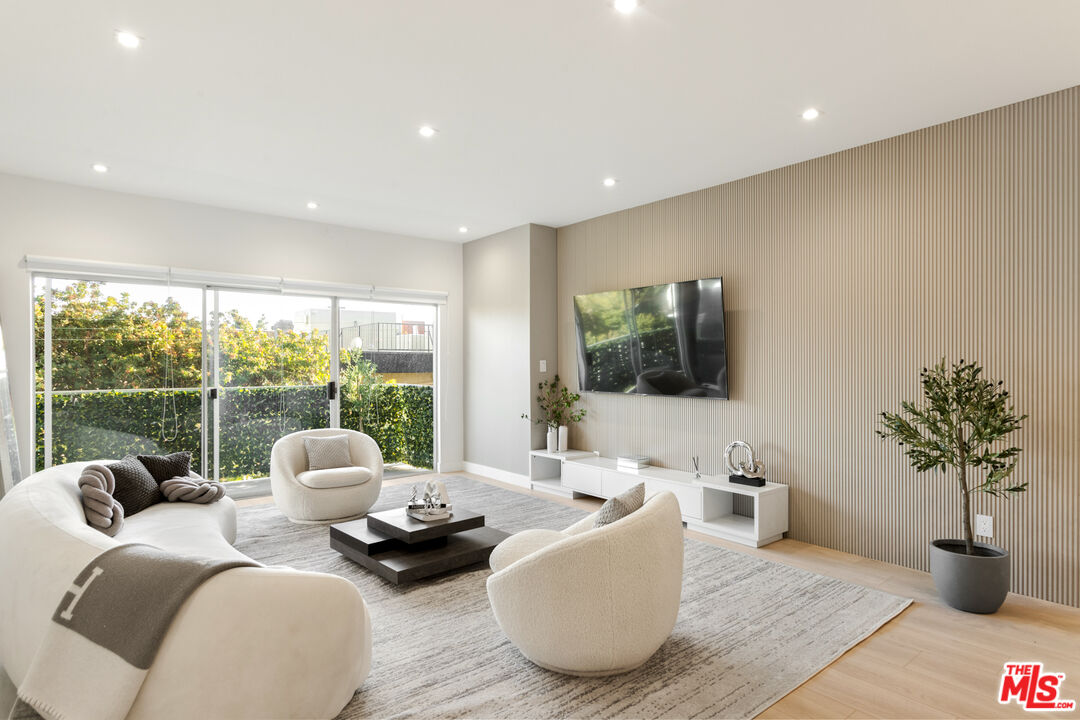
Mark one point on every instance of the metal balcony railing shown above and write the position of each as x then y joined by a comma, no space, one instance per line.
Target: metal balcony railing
379,337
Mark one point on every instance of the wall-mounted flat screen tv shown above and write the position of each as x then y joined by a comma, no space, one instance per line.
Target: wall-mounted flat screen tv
657,340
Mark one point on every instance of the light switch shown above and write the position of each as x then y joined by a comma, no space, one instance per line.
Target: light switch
543,366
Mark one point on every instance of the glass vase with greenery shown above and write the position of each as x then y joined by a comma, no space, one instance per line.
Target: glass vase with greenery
556,404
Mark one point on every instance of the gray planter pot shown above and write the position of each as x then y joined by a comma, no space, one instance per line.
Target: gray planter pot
972,583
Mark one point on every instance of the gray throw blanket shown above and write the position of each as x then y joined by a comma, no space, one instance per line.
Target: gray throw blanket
106,631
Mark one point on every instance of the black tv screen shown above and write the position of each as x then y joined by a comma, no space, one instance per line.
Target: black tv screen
656,340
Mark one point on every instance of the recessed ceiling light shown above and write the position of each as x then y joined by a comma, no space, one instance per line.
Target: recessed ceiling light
427,131
100,168
128,39
626,6
610,182
463,229
810,114
312,205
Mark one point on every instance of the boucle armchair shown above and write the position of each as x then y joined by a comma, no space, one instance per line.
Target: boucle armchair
313,496
588,601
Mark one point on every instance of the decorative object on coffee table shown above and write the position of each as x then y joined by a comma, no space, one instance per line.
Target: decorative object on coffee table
435,505
557,412
403,549
962,424
748,472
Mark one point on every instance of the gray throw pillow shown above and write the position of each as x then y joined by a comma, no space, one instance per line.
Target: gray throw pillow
167,467
136,489
620,506
325,453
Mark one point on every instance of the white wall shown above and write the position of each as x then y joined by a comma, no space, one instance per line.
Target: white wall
58,220
496,337
543,324
510,309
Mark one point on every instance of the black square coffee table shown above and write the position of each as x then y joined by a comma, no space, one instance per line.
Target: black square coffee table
402,549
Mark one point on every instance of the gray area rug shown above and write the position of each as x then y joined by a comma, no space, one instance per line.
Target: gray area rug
749,630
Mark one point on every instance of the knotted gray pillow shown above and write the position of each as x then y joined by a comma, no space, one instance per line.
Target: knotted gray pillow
102,510
192,489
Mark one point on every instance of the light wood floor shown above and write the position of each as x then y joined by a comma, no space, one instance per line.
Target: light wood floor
929,662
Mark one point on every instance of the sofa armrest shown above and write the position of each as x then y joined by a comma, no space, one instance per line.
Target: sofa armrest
365,452
261,643
552,603
520,545
583,525
562,604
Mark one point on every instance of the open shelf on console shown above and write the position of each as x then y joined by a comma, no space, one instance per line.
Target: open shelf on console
710,504
732,524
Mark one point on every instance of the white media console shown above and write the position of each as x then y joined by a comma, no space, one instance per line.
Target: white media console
707,503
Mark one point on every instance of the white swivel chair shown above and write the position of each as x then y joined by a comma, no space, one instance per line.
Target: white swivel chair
312,496
588,601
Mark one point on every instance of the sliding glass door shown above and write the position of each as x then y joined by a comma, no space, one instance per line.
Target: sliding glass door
388,379
270,372
124,368
117,369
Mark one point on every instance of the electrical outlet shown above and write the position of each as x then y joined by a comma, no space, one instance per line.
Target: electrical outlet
984,526
543,366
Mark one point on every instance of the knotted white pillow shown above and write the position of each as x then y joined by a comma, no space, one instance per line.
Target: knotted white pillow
100,507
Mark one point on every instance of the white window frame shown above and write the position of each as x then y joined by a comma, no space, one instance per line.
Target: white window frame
49,269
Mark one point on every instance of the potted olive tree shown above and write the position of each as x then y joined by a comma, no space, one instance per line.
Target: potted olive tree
959,429
556,412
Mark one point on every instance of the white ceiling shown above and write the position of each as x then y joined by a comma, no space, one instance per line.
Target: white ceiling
263,105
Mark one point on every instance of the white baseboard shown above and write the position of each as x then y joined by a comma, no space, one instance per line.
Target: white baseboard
238,489
510,478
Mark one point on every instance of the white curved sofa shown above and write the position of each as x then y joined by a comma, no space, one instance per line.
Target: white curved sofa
325,495
248,643
588,601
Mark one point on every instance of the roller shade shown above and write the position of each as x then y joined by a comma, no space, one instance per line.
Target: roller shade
96,270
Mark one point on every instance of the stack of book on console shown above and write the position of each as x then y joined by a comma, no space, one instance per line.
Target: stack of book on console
420,511
631,462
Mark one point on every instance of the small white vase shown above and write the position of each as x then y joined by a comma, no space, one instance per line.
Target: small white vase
552,440
564,437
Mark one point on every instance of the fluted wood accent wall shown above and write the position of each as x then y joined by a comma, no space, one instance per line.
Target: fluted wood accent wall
845,275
